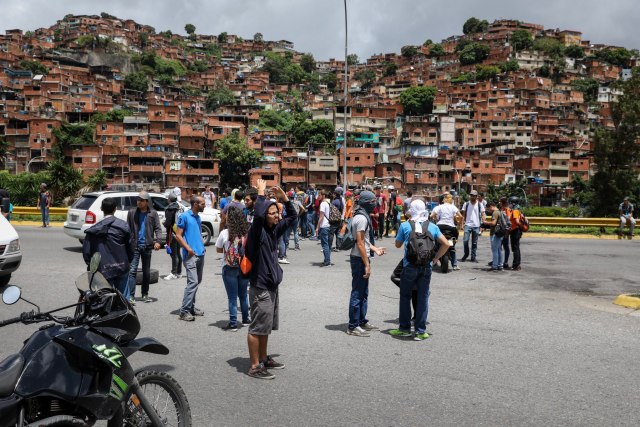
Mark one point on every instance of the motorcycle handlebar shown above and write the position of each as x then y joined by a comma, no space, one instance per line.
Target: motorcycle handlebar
22,318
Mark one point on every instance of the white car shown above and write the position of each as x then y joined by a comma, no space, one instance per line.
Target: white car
85,212
10,255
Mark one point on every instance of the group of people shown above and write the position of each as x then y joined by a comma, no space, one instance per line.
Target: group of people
255,231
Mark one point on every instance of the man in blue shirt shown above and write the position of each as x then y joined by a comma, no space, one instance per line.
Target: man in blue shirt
415,276
189,237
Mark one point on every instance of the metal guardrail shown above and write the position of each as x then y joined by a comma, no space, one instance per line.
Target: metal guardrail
575,222
28,210
550,221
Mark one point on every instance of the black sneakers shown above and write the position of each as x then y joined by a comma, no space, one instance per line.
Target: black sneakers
261,373
270,363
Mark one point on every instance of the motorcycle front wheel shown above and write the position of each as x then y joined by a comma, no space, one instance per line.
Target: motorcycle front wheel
167,397
444,263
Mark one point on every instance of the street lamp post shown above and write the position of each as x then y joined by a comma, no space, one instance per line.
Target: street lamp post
344,132
526,203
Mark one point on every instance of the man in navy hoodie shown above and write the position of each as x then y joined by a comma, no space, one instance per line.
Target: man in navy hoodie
265,276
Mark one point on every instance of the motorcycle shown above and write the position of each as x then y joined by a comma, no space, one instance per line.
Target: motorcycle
75,371
451,234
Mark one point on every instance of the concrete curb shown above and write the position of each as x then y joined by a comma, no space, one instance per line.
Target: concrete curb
628,300
35,224
571,236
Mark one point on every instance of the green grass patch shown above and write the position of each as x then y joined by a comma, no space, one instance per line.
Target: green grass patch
593,231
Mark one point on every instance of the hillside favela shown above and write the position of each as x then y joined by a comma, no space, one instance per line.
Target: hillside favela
506,102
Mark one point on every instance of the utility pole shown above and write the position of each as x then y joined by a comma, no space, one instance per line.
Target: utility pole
346,69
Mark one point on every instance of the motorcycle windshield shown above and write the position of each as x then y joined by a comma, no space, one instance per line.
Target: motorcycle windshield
115,318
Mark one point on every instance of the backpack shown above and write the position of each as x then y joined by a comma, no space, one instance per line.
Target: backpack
421,248
524,222
335,216
503,225
346,239
234,255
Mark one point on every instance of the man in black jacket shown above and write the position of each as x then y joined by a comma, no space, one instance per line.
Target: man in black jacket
265,276
111,238
170,219
144,224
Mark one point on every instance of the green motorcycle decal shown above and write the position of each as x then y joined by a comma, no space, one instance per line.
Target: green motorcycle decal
113,355
118,387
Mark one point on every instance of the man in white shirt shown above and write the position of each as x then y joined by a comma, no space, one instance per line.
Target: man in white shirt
446,216
473,213
322,229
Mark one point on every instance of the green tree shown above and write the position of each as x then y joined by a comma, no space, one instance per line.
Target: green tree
390,69
35,66
550,46
409,51
222,37
137,81
486,72
418,100
427,42
64,180
366,78
436,51
588,86
236,158
86,41
510,66
617,152
282,71
190,29
307,63
521,40
331,81
474,53
474,25
352,59
220,95
615,56
97,181
258,38
544,71
574,51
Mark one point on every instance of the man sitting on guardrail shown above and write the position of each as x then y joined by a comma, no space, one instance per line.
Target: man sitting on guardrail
626,216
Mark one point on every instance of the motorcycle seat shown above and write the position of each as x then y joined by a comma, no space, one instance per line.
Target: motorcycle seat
10,370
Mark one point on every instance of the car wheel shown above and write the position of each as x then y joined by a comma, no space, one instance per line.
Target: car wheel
4,280
206,234
153,276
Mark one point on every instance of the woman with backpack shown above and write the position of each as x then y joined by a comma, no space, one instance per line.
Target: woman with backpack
232,242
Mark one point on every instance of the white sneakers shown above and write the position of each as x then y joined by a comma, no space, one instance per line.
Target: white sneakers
172,276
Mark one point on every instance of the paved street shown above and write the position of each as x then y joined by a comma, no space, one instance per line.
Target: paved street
544,346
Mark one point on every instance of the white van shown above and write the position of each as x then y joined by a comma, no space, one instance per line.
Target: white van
10,255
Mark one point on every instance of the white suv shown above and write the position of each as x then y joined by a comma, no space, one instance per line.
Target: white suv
85,212
10,255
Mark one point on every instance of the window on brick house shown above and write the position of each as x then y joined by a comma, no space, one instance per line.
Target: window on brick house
575,164
267,177
389,169
540,163
327,176
103,127
77,160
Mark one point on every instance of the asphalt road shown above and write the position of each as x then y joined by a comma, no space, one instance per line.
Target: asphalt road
544,346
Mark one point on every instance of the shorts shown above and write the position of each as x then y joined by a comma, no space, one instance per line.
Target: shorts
264,311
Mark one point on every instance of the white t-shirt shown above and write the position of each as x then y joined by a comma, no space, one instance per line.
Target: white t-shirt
209,199
326,210
359,223
178,192
472,219
445,213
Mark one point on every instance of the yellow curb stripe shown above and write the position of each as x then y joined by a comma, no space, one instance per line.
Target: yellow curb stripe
626,300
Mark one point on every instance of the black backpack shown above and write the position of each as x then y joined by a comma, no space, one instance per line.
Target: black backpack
422,246
503,225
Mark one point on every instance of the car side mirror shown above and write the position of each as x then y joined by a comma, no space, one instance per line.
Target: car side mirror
11,295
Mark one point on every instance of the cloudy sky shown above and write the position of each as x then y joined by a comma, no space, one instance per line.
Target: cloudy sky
317,26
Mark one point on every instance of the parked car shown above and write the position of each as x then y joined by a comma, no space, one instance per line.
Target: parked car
10,254
85,212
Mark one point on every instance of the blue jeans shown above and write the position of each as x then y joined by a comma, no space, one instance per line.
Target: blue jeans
496,251
282,247
473,232
333,232
193,266
304,225
311,219
144,254
287,234
236,286
359,294
420,279
323,233
45,215
121,283
505,246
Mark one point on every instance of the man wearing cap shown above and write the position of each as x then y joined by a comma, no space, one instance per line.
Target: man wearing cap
361,266
473,213
625,211
146,233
